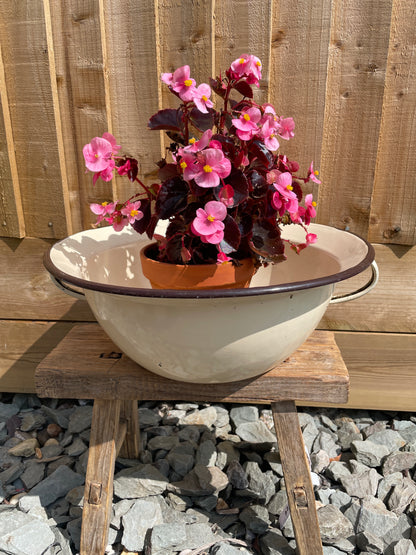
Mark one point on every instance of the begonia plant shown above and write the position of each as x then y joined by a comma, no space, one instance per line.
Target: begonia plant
225,189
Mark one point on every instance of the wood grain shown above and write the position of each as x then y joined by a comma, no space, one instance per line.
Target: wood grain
393,204
26,68
301,497
98,494
354,93
299,56
87,361
26,290
11,211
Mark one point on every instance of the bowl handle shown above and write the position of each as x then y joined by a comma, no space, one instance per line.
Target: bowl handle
360,292
60,284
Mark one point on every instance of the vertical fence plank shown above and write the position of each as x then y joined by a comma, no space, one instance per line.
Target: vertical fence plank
299,46
11,211
356,73
244,28
393,205
131,31
25,57
81,93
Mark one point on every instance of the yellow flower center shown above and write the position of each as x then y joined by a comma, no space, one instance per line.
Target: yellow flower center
192,141
96,155
207,169
134,213
289,188
242,61
316,172
211,218
313,203
272,136
258,64
104,203
204,98
187,82
183,165
246,117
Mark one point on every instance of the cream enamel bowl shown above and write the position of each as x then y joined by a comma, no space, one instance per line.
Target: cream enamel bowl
210,336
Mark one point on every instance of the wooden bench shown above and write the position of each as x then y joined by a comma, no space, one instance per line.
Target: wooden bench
87,365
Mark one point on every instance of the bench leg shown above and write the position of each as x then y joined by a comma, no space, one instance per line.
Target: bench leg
131,446
98,494
299,488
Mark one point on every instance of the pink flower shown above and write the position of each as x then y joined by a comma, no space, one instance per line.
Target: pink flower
268,133
222,258
208,223
196,146
111,139
311,238
102,210
207,168
125,168
247,66
226,195
97,154
312,175
309,212
285,198
201,98
286,127
106,174
181,83
246,124
131,211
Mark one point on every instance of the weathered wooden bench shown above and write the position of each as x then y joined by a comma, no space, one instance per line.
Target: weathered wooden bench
87,365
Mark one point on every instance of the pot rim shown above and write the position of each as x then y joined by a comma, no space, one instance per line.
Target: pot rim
212,293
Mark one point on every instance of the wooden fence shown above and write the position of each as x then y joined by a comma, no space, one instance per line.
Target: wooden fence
344,69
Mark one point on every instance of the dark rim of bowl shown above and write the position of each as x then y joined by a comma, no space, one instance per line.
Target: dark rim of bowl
210,293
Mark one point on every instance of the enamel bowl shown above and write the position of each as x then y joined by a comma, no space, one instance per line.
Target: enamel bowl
209,336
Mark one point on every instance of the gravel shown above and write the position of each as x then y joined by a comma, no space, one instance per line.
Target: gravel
208,480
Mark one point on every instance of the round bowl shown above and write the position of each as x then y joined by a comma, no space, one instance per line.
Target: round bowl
207,336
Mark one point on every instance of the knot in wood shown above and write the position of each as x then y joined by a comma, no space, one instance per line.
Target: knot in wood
94,494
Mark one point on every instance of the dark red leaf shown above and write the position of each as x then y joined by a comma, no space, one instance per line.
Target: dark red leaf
202,121
259,150
218,87
232,233
171,198
239,183
169,119
266,241
167,171
259,185
141,225
244,88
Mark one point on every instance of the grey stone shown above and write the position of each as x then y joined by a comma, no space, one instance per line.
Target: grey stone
402,495
181,463
274,543
23,534
367,541
227,549
331,550
76,448
244,413
179,502
205,417
197,535
363,484
226,453
403,424
138,482
277,503
206,502
74,530
142,516
25,448
340,499
255,432
389,438
386,485
59,416
119,509
324,494
328,423
80,419
206,453
56,485
409,433
35,508
165,537
7,410
309,433
371,514
189,433
273,458
401,529
260,484
256,518
75,496
223,417
173,416
398,461
369,453
34,472
51,449
186,406
32,421
237,475
333,524
11,474
162,442
148,417
337,470
200,481
404,547
324,441
320,461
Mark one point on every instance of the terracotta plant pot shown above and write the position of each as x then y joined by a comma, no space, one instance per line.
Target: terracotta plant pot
208,335
202,276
